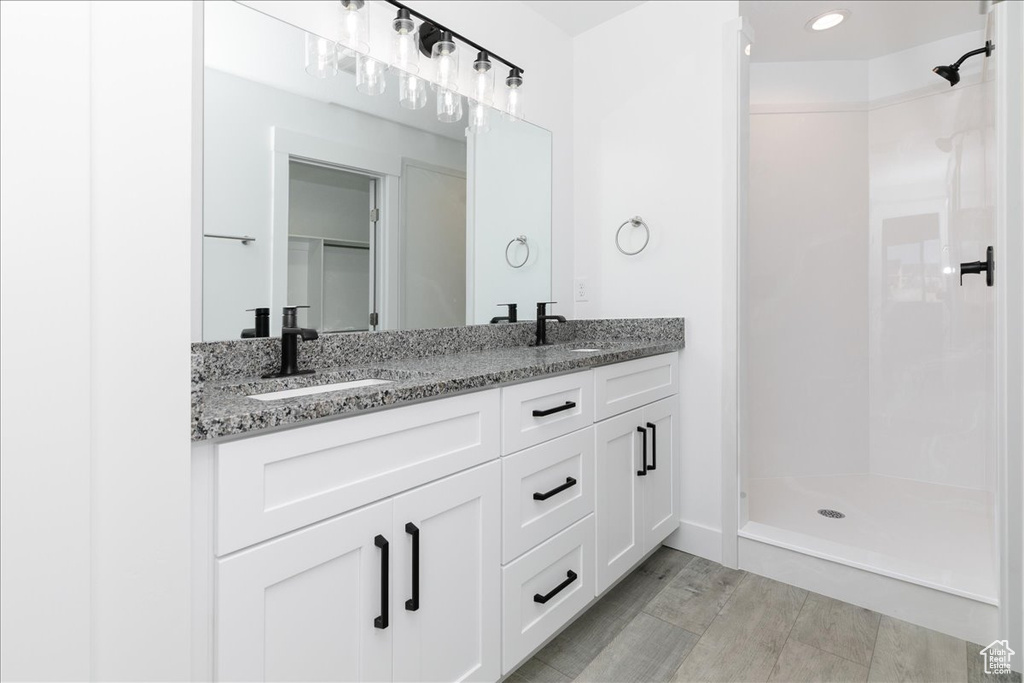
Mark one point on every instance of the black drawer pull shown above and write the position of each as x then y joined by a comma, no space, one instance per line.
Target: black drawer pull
382,620
643,453
569,483
413,603
654,445
537,597
569,405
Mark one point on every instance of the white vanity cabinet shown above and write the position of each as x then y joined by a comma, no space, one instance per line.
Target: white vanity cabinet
441,541
303,606
406,589
637,475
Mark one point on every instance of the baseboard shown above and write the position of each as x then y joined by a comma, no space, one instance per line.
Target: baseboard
957,616
698,540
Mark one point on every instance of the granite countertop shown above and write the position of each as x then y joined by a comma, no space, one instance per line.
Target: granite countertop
223,407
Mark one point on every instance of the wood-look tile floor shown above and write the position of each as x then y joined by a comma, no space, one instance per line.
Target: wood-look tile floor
683,618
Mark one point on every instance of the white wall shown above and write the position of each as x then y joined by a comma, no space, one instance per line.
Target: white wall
96,453
140,312
649,140
44,285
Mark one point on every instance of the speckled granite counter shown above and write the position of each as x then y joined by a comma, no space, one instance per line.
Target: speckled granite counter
418,365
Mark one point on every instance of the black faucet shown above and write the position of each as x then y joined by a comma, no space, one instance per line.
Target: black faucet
513,315
290,333
542,318
262,328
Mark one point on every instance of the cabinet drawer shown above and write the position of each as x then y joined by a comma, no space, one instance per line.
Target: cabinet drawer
625,386
268,485
539,411
544,573
561,473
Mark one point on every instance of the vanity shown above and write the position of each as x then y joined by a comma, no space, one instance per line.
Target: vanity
414,495
442,525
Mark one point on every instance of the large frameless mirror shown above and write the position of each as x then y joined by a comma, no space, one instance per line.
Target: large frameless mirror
374,215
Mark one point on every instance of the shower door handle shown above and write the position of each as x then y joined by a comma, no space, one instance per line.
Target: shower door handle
988,266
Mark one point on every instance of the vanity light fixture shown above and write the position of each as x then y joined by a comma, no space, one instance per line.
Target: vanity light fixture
449,106
403,48
353,32
514,99
321,58
325,57
828,20
445,56
483,94
369,75
483,79
412,91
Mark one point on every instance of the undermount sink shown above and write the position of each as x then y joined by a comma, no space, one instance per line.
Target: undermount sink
321,389
585,350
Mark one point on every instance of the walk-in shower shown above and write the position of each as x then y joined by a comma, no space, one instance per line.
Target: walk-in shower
866,372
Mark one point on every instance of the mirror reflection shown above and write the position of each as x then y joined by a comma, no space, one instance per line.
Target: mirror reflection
372,215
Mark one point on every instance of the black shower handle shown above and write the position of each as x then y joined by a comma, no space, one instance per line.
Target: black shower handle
988,266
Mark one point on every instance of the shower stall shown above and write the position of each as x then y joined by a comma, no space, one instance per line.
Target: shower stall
866,342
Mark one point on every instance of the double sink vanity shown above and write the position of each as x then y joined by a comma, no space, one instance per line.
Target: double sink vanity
439,497
458,500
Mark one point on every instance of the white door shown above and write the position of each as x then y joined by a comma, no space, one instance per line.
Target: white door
661,502
447,615
305,606
618,505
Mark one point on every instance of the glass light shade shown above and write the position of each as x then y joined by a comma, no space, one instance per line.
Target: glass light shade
369,75
446,64
449,106
479,117
353,34
483,81
514,101
412,91
320,57
404,53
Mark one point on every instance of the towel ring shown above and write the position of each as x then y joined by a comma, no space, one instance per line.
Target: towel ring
636,222
522,240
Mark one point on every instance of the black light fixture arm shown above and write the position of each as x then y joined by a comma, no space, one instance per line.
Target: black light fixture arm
987,51
455,34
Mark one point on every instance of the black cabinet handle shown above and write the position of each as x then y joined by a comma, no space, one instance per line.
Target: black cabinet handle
537,597
643,455
569,483
413,603
569,405
654,445
382,620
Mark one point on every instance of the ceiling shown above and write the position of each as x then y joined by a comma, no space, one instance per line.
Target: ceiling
575,17
874,27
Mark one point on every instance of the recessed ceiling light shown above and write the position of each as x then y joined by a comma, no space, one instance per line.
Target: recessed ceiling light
828,20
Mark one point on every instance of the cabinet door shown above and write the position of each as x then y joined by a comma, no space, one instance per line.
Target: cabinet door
618,507
661,485
302,607
453,633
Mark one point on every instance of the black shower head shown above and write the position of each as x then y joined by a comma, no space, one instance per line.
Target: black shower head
952,72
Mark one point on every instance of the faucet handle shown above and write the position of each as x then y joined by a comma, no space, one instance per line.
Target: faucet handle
513,312
542,306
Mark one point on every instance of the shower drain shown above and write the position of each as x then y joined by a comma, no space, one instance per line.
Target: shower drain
831,514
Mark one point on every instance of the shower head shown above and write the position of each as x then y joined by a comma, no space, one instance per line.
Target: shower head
952,72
